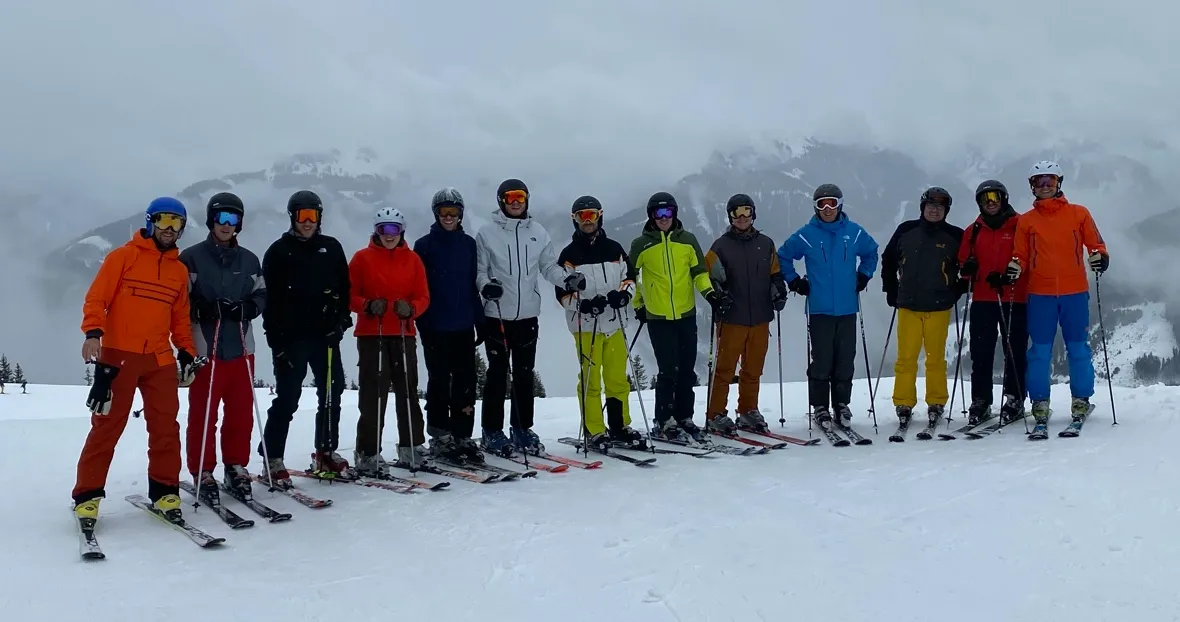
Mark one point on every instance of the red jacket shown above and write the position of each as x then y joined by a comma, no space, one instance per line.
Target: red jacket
397,274
993,250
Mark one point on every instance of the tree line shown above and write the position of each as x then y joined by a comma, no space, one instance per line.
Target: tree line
9,373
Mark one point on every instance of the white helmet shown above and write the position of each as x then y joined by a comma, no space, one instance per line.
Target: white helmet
1046,167
387,216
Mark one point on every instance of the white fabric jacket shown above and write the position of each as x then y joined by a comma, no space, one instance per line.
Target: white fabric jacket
516,252
604,265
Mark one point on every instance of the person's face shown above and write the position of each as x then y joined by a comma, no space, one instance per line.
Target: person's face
225,225
934,211
664,217
448,217
515,202
306,222
166,229
741,218
1044,186
828,209
989,202
390,234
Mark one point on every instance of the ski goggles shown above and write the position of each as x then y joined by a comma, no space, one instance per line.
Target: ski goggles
1044,181
231,219
664,212
989,196
307,215
584,216
389,228
514,197
741,211
174,222
829,203
449,212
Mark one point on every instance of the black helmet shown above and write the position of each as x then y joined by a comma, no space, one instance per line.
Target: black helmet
586,202
224,202
827,191
447,197
741,200
992,185
935,193
304,199
662,199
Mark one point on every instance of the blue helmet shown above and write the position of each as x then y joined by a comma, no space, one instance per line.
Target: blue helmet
164,205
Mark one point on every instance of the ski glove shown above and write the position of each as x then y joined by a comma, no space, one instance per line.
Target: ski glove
778,291
188,367
641,315
592,306
800,285
721,302
618,299
969,268
575,282
1099,262
239,311
1012,272
99,400
492,291
403,309
376,307
205,310
862,281
995,280
891,297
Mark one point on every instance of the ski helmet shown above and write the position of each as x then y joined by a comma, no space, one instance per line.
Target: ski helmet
304,199
1045,167
224,202
659,200
936,194
511,185
447,197
828,191
740,200
992,185
389,216
585,203
165,205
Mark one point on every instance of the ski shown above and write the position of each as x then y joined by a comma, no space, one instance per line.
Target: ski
257,507
977,433
573,442
403,489
447,471
1040,431
303,498
409,481
833,437
902,428
228,516
965,429
199,537
855,436
537,462
749,441
571,462
782,437
703,452
506,475
1075,426
725,449
88,547
927,432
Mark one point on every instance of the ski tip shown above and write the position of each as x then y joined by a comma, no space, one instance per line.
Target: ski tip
865,441
215,542
93,556
947,437
280,518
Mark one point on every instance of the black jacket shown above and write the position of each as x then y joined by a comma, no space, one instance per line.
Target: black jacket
920,265
748,270
307,289
450,262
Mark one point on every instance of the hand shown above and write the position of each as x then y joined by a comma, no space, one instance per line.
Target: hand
641,315
962,286
188,367
239,311
720,301
91,348
592,306
862,281
778,291
1012,272
800,285
969,268
492,291
891,297
403,309
376,307
995,280
575,282
335,335
618,299
1099,262
206,310
99,399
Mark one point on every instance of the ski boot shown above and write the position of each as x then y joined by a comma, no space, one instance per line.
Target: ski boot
468,451
1079,409
822,417
169,506
1040,413
87,509
721,424
934,412
331,465
843,416
496,443
669,431
978,411
600,442
628,438
278,475
207,488
370,466
1011,410
237,479
690,429
444,447
413,456
527,441
904,414
752,421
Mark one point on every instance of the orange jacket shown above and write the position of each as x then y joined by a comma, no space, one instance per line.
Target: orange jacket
1049,246
138,301
378,272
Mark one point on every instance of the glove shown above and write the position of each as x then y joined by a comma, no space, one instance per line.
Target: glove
575,282
376,307
188,367
206,310
1099,262
239,311
962,286
492,291
618,299
995,280
403,309
800,285
336,334
969,268
721,302
862,281
891,297
592,306
778,291
1012,272
99,400
641,315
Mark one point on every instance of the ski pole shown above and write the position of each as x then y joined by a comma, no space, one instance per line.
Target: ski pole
406,384
581,375
1006,326
382,389
257,411
807,319
884,351
208,410
1105,356
512,403
864,346
636,337
962,339
586,378
958,357
328,400
713,329
778,331
638,390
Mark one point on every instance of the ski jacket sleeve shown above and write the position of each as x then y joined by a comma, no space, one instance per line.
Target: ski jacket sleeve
889,263
866,250
633,271
482,260
102,291
1091,237
258,293
343,282
791,251
356,268
553,271
275,273
420,298
567,300
477,311
965,245
181,325
1020,242
697,269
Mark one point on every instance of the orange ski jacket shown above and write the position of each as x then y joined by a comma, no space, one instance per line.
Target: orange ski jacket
393,274
1050,245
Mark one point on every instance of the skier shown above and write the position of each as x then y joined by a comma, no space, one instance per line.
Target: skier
449,330
1048,247
513,251
998,309
840,257
226,293
920,276
24,388
597,318
136,310
305,318
388,292
669,265
748,267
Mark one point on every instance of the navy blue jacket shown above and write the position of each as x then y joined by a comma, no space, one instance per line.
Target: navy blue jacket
449,257
830,251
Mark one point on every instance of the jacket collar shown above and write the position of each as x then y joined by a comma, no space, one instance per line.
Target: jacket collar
841,218
748,234
143,241
508,224
999,220
1051,206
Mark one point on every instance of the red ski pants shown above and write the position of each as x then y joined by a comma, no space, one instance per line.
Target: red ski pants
231,386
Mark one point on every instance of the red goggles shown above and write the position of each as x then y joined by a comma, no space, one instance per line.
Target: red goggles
515,197
307,215
584,216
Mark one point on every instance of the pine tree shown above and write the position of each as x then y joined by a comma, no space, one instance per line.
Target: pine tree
89,377
640,371
18,376
538,387
481,373
259,384
353,387
5,369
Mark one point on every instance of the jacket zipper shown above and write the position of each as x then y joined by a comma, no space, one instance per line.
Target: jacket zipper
518,275
668,266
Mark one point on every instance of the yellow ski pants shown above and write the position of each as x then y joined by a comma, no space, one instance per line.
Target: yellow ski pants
918,330
603,362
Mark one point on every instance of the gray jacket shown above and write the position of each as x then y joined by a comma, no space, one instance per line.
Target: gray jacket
228,273
746,265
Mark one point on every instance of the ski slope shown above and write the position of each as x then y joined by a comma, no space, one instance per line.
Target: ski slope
989,530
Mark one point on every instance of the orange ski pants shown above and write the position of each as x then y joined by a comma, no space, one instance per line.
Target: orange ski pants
747,344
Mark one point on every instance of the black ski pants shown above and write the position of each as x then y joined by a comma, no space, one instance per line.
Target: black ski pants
291,362
387,363
987,323
450,382
833,359
675,345
520,337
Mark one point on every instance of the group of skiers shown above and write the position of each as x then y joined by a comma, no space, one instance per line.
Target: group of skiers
455,292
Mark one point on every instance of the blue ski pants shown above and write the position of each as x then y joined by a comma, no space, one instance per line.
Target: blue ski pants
1045,313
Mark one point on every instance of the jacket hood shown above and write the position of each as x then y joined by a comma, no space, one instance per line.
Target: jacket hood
145,241
1051,206
1001,217
504,222
841,218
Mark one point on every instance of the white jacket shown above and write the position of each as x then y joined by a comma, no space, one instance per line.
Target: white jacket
516,252
605,271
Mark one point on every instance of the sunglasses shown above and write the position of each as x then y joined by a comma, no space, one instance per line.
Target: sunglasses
828,203
741,211
664,212
449,212
514,197
307,215
174,222
389,228
584,216
231,219
991,196
1044,181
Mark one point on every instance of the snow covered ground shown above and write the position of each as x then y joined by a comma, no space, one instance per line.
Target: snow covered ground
995,529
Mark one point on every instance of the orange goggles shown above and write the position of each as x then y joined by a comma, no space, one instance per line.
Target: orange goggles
514,197
449,212
307,215
584,216
990,196
741,211
174,222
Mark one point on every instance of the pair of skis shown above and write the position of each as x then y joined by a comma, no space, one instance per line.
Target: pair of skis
1073,430
832,431
90,549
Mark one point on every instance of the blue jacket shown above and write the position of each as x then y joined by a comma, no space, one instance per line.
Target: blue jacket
829,250
449,257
